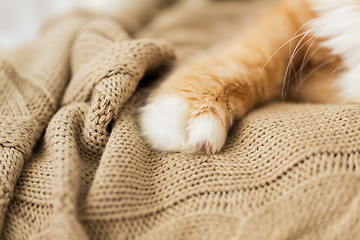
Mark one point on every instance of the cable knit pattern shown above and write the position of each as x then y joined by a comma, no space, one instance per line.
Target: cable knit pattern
73,164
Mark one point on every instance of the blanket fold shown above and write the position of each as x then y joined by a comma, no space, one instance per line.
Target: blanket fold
33,78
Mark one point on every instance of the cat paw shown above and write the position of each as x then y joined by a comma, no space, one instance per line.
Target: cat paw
169,124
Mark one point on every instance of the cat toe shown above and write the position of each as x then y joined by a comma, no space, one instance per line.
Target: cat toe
163,121
167,125
206,133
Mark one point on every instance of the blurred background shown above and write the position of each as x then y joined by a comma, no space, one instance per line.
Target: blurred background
20,20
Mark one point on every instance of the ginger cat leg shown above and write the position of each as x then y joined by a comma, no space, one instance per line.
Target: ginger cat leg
193,109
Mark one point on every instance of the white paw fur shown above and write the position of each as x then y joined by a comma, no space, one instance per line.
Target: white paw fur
167,124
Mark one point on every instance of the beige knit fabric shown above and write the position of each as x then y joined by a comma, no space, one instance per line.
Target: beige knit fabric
73,164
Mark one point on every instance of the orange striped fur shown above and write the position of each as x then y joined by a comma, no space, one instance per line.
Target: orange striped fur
221,86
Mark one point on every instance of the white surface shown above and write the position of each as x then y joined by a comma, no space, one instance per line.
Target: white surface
108,6
20,20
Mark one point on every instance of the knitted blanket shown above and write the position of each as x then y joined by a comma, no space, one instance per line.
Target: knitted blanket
73,164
